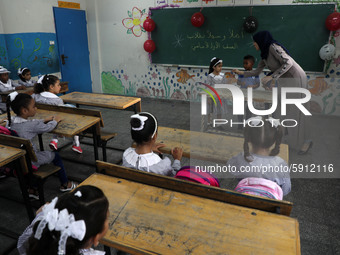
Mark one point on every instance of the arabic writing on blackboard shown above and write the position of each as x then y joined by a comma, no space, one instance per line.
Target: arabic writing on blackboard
211,41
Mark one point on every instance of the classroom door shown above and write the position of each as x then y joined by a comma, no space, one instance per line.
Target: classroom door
73,48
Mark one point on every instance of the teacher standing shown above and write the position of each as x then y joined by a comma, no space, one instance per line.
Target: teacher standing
287,73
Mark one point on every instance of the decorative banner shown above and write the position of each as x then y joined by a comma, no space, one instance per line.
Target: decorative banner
225,2
192,3
161,2
177,2
209,2
63,4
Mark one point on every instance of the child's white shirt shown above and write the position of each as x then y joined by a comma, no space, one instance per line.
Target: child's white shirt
213,79
150,162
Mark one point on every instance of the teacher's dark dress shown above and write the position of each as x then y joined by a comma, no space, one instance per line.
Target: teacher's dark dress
288,73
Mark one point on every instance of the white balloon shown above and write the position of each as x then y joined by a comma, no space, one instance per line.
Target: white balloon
327,52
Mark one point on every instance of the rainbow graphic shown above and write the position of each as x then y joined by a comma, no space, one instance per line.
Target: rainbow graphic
209,93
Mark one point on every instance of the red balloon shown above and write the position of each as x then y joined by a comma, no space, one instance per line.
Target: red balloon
197,19
333,21
149,46
149,25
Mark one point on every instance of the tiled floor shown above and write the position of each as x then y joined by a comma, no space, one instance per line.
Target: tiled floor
316,201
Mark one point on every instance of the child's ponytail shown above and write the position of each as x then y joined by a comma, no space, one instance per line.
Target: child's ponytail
8,108
44,83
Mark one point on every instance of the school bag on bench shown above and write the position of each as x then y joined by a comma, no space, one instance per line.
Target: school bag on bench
189,173
260,187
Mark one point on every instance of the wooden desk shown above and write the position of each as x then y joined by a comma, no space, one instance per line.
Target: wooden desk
71,125
102,100
29,90
150,220
9,154
205,146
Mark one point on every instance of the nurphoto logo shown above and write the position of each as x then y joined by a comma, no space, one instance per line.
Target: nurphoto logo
238,103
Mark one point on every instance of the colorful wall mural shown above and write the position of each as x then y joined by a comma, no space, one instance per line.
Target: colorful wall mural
3,51
183,83
32,50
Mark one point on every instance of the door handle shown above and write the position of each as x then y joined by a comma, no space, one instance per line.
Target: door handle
63,58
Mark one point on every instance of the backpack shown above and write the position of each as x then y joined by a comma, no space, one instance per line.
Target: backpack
260,187
6,131
194,175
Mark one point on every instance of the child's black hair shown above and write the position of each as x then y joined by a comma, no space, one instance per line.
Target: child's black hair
262,137
147,128
22,100
45,84
249,57
213,62
25,71
90,205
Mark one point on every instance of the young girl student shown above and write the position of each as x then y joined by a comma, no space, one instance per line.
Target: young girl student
23,105
215,76
144,132
6,84
70,224
25,77
264,173
45,92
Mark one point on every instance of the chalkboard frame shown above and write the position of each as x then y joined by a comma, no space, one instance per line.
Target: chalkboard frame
170,22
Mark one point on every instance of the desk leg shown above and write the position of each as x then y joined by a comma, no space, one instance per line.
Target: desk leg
138,107
20,166
41,144
95,141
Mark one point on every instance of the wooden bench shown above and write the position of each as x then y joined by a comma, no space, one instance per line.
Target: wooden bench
204,191
43,172
104,137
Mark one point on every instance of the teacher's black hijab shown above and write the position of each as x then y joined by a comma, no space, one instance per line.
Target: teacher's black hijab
264,39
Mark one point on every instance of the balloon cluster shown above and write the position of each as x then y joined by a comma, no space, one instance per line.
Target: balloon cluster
327,52
149,25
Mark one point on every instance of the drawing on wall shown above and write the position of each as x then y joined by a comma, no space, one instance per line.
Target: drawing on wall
318,85
111,84
178,41
184,76
16,62
3,51
134,23
32,50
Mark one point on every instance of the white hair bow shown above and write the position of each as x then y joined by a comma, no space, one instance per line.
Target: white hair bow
13,95
21,70
142,121
40,79
49,213
69,227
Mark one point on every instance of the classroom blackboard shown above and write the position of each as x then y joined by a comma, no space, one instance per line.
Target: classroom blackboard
300,28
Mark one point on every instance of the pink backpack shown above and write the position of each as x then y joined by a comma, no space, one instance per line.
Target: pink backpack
191,174
260,187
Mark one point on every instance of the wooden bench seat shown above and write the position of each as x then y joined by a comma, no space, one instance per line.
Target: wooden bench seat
43,172
215,193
